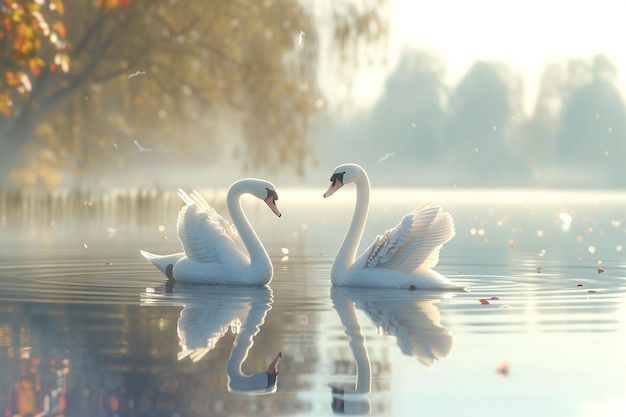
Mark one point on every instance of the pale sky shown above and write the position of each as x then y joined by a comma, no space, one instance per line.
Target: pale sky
525,34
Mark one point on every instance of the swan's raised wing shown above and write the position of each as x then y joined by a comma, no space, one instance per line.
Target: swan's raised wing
200,228
415,242
229,229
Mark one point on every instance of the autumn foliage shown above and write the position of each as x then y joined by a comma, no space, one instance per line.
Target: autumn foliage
112,4
32,37
81,81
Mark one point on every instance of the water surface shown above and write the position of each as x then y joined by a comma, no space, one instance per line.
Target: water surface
90,328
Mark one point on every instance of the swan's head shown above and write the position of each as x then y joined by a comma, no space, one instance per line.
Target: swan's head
265,190
342,175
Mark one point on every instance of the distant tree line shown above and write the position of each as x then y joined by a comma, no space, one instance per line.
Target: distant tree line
476,133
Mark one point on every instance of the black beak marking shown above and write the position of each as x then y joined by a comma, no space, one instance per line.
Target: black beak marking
271,194
337,176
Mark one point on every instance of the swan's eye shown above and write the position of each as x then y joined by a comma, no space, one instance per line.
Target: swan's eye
337,176
271,194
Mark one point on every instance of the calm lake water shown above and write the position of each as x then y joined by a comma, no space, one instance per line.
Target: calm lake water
88,327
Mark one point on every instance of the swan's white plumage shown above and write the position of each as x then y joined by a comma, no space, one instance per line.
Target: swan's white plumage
206,236
403,256
415,242
214,251
227,227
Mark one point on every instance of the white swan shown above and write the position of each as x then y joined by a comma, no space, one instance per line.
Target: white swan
212,246
208,314
403,256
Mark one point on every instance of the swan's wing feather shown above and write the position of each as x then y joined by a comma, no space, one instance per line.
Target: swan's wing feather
229,228
444,228
197,233
415,242
423,253
411,226
200,229
387,244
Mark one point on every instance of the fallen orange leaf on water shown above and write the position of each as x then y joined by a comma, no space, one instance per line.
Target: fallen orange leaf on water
601,270
579,285
503,368
483,301
591,291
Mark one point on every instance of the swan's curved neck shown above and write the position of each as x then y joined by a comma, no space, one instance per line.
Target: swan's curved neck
347,313
347,252
258,256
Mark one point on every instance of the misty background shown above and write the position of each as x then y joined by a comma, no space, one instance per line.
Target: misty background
287,90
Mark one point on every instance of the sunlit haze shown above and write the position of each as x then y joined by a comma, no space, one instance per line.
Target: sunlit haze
442,94
525,35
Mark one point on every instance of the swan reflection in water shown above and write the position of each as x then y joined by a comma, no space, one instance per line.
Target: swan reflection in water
411,317
208,314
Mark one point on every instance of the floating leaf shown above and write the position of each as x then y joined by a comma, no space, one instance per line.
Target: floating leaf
601,270
503,368
483,301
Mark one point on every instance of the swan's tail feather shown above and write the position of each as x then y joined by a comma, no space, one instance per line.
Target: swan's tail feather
162,261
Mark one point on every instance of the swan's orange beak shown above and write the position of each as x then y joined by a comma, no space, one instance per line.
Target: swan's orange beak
272,369
333,187
271,203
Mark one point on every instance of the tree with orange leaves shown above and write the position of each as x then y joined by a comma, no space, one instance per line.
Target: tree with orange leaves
28,43
33,44
179,76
